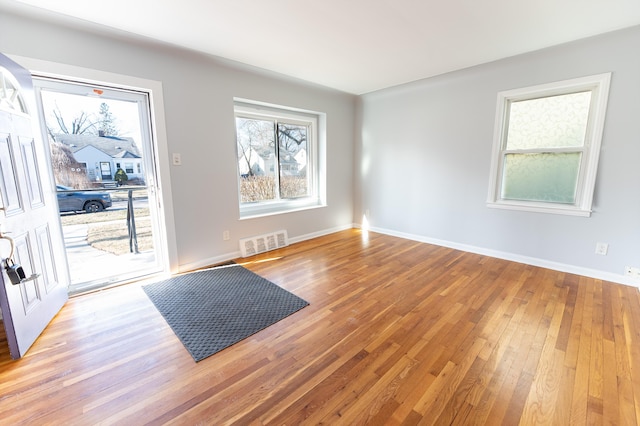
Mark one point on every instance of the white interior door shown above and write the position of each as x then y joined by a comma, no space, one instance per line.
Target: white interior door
29,216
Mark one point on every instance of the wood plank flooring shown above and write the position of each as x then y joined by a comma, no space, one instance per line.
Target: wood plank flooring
397,332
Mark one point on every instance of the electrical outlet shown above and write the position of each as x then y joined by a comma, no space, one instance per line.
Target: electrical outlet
225,236
602,249
177,159
630,271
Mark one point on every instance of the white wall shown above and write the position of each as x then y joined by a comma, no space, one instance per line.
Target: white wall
420,164
198,96
425,152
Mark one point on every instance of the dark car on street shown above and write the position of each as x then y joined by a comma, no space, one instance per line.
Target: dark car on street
72,200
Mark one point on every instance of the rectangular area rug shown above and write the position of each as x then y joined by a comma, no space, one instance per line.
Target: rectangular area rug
212,309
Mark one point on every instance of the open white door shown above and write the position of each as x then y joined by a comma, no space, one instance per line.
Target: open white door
29,216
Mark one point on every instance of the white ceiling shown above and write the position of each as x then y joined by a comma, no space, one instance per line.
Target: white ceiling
356,46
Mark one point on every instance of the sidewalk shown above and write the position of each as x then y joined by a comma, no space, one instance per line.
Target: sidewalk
87,264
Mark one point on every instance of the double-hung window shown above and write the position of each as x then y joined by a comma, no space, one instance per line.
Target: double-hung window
547,144
278,158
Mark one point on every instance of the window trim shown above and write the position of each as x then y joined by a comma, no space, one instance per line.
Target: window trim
599,87
315,164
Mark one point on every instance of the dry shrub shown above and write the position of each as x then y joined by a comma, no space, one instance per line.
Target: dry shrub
262,188
67,171
257,188
293,187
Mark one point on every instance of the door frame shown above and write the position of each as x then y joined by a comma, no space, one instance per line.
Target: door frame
40,68
102,170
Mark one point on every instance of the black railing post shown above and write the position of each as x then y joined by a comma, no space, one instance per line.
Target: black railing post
131,225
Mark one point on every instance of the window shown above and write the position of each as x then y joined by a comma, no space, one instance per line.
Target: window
11,98
278,158
546,146
128,167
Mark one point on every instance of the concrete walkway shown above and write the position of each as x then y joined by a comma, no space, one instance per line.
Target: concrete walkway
88,264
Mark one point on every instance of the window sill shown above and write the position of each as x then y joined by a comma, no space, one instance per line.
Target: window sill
263,210
566,210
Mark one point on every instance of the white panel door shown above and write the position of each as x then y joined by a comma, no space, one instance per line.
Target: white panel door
29,216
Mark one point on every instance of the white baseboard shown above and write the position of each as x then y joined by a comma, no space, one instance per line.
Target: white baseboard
319,233
556,266
203,263
533,261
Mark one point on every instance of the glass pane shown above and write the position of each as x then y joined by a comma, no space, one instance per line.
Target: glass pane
541,177
88,136
256,159
106,210
10,94
293,155
551,122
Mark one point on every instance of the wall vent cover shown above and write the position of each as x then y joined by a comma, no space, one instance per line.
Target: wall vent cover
262,243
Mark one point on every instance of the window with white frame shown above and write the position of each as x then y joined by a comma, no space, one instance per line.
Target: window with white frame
278,158
546,146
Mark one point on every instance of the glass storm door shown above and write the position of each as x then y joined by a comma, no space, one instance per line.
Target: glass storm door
95,131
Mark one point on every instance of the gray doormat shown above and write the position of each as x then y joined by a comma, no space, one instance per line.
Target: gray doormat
213,309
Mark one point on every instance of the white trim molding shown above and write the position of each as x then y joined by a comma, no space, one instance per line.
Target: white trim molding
527,260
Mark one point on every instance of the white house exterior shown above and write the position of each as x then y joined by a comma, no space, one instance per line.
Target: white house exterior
259,164
264,163
102,156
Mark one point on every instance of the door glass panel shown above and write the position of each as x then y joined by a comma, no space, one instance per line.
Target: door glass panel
102,162
10,96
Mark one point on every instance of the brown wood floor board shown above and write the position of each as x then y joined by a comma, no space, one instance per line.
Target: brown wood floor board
397,333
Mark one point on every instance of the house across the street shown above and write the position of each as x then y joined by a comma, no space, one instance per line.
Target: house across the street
101,156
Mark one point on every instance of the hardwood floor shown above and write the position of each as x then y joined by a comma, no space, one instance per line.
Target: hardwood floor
397,332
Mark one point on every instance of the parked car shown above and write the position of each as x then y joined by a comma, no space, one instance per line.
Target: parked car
71,200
